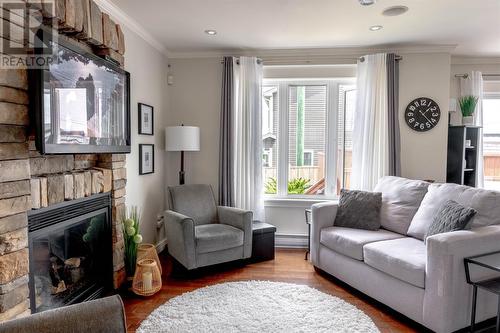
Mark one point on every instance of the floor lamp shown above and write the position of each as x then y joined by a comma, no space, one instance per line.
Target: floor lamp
182,138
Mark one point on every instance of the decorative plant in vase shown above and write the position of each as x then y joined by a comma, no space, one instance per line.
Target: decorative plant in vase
132,239
468,106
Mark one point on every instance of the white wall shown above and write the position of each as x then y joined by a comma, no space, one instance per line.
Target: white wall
423,155
148,84
195,100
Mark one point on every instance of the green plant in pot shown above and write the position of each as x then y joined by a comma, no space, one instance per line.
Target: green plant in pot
467,107
132,238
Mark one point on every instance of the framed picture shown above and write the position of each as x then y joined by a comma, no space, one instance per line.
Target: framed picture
146,119
146,159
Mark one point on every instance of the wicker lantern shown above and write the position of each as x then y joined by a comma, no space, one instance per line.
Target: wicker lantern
148,251
147,278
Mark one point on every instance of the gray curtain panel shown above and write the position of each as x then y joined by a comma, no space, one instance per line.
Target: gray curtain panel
226,176
393,108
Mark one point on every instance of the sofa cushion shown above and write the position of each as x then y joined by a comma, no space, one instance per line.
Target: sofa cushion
402,258
216,237
349,241
359,209
452,216
485,202
401,198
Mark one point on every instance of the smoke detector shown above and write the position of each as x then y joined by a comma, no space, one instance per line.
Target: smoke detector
367,2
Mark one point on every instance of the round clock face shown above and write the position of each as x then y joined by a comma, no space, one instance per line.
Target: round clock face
422,114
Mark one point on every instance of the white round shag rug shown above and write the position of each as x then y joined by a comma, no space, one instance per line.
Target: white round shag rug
257,306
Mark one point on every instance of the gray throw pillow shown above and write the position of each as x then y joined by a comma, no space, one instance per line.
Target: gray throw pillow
359,210
451,216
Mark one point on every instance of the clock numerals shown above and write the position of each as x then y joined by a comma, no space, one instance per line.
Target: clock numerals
422,114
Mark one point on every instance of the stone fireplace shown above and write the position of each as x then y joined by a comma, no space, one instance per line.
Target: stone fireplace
31,183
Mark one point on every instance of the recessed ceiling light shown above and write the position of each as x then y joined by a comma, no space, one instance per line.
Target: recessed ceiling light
367,2
395,11
376,27
211,32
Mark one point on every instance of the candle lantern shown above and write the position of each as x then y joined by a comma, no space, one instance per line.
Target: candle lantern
148,251
147,278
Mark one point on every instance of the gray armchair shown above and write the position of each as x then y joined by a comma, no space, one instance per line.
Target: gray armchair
200,233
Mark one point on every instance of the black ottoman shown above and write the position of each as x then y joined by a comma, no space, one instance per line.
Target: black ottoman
262,241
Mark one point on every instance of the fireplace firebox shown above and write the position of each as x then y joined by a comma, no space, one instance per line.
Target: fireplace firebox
70,249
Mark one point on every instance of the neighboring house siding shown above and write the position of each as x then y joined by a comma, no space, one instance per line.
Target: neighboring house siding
315,121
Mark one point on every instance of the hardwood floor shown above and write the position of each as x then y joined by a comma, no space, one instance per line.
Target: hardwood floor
289,266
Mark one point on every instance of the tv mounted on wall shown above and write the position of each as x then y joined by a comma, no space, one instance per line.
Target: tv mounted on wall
80,103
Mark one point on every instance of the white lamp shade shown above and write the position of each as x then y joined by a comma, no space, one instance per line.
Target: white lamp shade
182,138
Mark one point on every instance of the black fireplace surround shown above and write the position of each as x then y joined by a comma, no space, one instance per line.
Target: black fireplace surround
70,252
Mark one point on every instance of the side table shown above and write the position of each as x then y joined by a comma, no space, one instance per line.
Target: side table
308,213
262,241
489,261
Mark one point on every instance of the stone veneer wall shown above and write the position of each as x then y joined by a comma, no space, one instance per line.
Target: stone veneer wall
28,179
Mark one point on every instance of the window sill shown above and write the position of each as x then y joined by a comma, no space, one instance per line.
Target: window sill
294,202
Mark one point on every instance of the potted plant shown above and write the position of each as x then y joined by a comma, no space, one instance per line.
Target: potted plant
132,239
468,106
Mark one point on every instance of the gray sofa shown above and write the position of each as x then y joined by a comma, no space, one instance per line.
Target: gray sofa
425,281
200,233
105,315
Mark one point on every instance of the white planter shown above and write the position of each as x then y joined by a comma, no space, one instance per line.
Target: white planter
468,120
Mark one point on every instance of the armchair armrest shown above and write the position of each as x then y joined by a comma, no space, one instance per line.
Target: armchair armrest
180,238
447,299
241,219
323,215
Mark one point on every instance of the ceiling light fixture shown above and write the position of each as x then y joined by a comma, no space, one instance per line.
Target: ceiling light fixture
375,27
211,32
367,2
395,11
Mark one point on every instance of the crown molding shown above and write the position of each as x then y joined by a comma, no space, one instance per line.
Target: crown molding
120,16
474,60
347,53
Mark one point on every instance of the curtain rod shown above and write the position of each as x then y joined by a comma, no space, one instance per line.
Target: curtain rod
465,76
259,61
398,58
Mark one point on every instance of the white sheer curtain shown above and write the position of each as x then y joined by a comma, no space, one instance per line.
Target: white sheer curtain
370,152
248,188
473,85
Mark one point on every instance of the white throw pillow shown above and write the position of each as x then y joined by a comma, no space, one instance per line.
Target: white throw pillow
401,198
486,203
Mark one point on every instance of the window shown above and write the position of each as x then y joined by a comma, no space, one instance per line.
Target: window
308,157
491,134
307,148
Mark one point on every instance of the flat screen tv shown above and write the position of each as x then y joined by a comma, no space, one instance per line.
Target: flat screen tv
80,102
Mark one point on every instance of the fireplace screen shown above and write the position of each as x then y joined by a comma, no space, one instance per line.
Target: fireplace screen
70,261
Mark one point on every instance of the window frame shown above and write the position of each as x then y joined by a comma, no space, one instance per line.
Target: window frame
332,101
310,151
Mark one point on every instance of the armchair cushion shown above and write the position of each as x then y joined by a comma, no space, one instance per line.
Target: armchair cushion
195,201
216,237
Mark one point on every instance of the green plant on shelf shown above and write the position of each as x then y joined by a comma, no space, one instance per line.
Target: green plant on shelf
295,186
468,105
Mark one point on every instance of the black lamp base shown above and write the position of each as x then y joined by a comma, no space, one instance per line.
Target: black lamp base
181,178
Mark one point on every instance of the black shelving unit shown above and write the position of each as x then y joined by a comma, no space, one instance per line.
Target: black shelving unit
462,159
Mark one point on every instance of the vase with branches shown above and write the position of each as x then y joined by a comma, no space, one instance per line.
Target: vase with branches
467,107
132,238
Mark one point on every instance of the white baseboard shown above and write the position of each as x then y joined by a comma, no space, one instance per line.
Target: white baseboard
160,246
282,240
291,241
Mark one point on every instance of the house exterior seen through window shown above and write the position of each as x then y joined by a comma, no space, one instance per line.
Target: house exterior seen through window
307,128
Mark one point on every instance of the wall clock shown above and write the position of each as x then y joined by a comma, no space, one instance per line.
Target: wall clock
422,114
